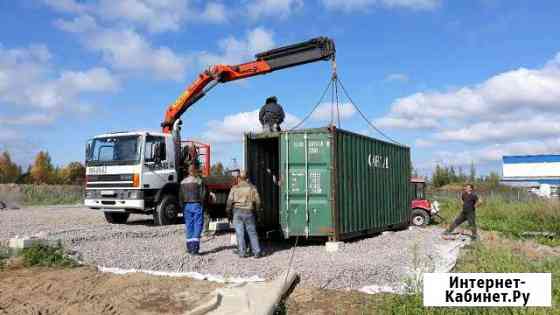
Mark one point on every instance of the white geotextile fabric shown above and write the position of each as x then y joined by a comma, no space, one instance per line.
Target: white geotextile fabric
193,275
444,260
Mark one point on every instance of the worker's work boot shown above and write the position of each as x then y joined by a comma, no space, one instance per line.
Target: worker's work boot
474,235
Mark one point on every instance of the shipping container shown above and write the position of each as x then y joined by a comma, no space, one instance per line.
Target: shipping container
328,182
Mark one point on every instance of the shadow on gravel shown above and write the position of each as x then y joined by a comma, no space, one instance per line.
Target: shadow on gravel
218,249
150,222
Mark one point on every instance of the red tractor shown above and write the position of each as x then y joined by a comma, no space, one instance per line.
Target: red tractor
423,211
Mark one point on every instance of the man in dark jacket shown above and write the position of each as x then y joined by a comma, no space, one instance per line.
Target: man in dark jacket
470,202
193,193
271,115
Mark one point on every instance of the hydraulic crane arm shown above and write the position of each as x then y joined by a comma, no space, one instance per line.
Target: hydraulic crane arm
316,49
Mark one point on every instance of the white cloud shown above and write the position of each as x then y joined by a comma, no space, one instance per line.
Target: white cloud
514,112
80,24
156,16
404,123
504,131
398,77
357,5
69,6
41,87
325,110
235,50
127,50
512,90
422,143
232,127
152,15
93,80
508,97
33,119
214,13
273,8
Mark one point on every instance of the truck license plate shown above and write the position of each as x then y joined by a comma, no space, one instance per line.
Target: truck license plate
107,193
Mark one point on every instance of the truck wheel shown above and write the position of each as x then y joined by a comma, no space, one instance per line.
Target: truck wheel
167,210
116,217
419,217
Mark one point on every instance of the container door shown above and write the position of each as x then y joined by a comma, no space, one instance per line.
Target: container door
305,205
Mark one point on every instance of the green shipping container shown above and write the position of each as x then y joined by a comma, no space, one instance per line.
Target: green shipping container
329,182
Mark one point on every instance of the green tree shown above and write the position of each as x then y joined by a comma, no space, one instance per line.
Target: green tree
452,175
217,169
42,171
493,180
73,174
440,176
472,173
9,171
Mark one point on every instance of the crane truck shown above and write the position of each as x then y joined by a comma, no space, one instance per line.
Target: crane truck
140,171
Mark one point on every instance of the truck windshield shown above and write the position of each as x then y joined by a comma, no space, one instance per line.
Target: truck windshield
113,150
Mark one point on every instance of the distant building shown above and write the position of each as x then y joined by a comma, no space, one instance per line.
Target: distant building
539,173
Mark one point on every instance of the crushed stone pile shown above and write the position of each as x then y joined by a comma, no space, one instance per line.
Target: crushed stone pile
381,262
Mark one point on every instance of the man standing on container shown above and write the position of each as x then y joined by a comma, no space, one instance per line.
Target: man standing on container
470,202
271,115
244,200
192,193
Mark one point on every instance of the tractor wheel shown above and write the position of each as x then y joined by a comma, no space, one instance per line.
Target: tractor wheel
167,211
116,217
419,217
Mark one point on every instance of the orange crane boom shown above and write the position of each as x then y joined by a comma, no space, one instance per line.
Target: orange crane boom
316,49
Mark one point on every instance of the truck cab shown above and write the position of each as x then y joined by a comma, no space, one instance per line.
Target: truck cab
132,172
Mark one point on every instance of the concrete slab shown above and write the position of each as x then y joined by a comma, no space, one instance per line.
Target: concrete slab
332,247
27,242
247,298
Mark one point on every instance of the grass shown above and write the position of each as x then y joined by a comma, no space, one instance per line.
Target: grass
503,249
41,195
512,218
46,256
497,255
4,255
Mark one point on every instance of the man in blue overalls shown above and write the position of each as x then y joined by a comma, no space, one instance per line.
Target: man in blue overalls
193,192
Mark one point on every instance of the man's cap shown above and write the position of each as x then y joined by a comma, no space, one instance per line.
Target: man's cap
272,99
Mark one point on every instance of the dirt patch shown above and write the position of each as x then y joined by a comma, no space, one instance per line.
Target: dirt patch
314,301
84,290
529,248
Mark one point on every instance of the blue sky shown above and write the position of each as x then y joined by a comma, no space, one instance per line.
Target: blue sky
458,81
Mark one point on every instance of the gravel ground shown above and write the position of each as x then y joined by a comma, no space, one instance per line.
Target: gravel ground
383,260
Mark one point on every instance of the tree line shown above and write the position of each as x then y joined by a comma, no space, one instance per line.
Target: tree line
42,171
445,175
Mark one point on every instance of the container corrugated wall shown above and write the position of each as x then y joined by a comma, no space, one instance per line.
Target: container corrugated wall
329,183
372,179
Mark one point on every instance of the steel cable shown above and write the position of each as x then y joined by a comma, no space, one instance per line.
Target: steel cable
364,116
314,108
